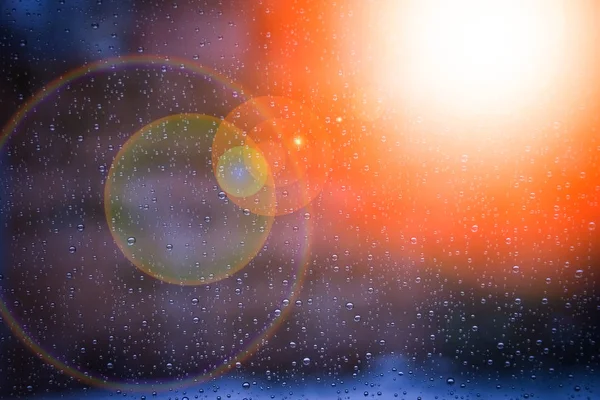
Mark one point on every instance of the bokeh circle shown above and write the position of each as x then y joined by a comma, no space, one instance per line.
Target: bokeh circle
70,294
242,171
162,211
294,143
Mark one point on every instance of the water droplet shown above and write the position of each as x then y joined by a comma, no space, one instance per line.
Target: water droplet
592,226
80,227
516,269
579,273
306,361
130,241
450,381
246,385
474,228
72,249
292,345
169,247
349,306
500,345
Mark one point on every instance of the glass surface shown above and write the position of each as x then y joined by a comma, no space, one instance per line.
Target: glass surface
234,199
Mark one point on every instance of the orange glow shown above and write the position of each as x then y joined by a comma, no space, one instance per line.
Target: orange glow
467,125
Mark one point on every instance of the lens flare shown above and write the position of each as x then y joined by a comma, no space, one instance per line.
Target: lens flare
242,171
93,298
294,144
167,164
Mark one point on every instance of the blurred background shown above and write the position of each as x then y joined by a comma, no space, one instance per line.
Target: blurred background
451,250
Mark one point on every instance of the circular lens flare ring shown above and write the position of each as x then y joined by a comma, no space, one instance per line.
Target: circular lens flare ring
97,378
289,153
156,161
295,144
242,171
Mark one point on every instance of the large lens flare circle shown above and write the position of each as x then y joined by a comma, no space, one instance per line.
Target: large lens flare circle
99,320
164,212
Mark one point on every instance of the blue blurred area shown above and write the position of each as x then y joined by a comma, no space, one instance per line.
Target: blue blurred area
387,378
5,334
68,31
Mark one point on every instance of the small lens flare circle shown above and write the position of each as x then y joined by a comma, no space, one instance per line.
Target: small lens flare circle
242,171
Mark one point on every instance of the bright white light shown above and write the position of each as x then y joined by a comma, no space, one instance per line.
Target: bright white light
473,56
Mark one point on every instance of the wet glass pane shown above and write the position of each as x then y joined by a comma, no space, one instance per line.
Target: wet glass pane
229,199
